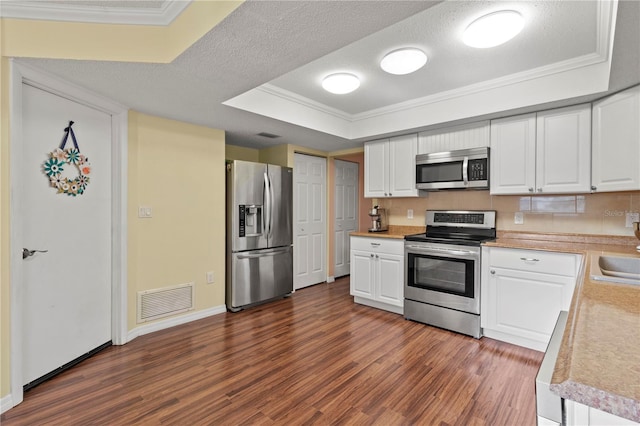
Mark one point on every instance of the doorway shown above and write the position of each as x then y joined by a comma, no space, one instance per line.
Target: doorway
310,220
43,218
346,213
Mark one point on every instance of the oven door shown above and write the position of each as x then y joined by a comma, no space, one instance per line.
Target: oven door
443,275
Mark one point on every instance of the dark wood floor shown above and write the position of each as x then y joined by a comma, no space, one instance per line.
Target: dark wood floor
313,358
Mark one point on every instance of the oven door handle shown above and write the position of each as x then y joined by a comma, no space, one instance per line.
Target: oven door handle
465,170
440,250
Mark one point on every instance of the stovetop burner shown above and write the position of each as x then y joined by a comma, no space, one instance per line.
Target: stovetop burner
469,228
462,241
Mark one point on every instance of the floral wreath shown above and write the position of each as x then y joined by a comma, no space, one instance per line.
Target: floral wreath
60,158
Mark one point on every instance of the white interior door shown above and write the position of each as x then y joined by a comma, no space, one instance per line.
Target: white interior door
310,220
66,305
346,213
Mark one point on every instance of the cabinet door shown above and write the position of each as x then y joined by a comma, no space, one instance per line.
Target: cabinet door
563,148
513,153
376,169
402,166
616,142
526,304
390,279
362,273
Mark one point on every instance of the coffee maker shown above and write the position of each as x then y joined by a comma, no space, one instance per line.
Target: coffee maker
378,219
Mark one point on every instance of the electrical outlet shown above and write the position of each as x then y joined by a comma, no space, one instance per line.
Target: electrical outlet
210,278
409,213
518,218
630,218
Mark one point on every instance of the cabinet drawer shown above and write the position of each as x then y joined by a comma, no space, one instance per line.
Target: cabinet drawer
534,261
382,245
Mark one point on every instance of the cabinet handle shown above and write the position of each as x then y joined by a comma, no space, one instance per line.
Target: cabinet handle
375,244
377,256
385,194
530,189
390,194
529,259
594,188
371,254
493,272
539,189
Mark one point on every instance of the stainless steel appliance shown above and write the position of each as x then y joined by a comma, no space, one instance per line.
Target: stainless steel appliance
378,219
460,169
259,233
442,270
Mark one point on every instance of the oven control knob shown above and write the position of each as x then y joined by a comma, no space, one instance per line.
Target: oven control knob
493,271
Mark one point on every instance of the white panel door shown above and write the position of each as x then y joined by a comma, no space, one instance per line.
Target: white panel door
346,214
310,218
67,290
390,273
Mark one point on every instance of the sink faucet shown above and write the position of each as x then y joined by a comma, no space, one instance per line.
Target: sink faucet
636,230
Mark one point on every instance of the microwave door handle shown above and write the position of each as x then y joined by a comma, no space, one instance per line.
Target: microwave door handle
465,170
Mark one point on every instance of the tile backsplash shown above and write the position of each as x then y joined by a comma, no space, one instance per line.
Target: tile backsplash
600,213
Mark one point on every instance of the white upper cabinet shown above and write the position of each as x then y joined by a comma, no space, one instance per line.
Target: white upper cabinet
472,135
390,167
513,153
563,150
548,152
616,142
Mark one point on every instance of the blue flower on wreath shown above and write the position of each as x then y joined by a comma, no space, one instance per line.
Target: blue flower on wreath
53,166
72,155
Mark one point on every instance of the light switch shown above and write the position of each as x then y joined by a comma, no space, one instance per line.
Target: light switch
144,212
210,278
409,213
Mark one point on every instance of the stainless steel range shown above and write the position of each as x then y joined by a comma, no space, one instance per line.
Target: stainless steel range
442,269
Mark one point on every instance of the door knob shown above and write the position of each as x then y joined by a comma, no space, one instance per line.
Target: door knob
26,252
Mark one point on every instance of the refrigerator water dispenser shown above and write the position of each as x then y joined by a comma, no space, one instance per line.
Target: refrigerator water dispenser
250,220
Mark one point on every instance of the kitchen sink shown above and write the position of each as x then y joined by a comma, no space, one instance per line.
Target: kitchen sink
617,269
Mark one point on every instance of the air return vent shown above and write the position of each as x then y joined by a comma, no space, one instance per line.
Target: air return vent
268,135
162,302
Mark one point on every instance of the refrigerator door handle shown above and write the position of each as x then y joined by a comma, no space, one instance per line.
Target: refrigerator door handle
271,199
263,254
266,214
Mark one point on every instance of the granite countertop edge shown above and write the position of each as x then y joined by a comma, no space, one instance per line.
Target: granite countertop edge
563,382
397,232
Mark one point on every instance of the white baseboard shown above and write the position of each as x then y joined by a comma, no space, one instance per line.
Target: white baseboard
6,403
172,322
331,279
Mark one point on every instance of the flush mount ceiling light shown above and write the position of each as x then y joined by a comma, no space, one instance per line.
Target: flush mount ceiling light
403,61
493,29
340,83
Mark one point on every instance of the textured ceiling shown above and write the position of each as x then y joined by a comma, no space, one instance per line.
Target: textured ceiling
289,43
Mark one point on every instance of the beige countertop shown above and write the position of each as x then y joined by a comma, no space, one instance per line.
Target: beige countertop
599,360
395,231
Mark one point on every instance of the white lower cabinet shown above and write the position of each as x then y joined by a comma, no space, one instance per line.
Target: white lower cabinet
582,415
522,293
377,273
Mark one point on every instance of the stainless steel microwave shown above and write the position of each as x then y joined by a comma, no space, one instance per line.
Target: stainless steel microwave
460,169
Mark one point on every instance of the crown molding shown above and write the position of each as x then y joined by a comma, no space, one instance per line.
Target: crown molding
162,16
287,95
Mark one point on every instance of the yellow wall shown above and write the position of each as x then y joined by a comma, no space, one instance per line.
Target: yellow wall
233,152
184,185
601,213
277,155
108,42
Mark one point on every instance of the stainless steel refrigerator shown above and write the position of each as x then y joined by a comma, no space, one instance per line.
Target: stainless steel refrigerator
259,233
